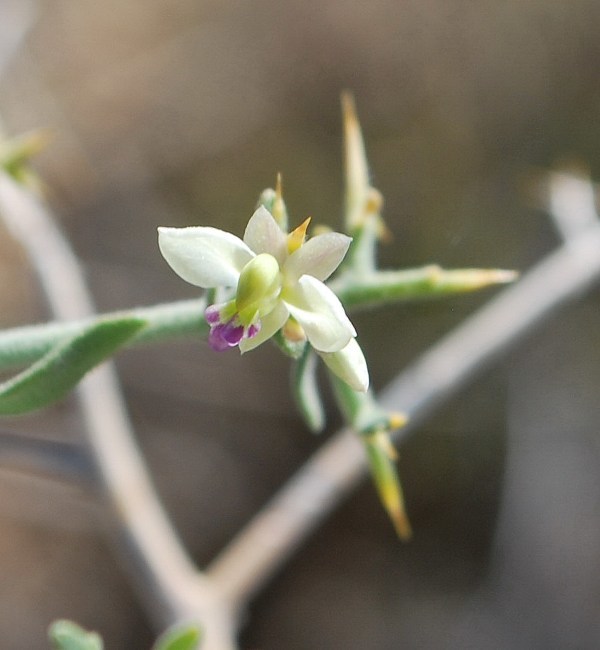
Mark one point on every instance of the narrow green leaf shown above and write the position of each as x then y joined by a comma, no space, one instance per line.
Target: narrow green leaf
384,287
50,378
180,638
66,635
306,390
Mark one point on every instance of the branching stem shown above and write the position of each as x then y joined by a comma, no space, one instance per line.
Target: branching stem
168,582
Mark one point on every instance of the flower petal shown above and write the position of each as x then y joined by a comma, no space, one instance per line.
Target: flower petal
349,365
269,324
320,313
263,235
319,256
225,335
206,257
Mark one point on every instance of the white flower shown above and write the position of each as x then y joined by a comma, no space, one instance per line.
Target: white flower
276,277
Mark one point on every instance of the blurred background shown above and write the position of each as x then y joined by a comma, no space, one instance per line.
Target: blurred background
179,113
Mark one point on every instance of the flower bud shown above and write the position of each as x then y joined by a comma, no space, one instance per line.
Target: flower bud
258,287
272,199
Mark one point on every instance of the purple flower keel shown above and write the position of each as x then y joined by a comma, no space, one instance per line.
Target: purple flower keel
227,334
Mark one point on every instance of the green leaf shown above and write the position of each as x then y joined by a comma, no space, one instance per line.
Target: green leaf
180,638
52,376
306,390
66,635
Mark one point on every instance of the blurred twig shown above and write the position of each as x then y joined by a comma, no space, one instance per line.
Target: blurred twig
168,582
16,18
56,460
317,488
572,203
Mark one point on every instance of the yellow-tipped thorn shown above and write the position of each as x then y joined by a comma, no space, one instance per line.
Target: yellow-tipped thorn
397,420
401,525
292,331
349,109
386,445
297,236
502,276
472,279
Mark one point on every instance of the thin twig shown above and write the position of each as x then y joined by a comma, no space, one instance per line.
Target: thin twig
290,516
16,22
168,582
62,461
572,202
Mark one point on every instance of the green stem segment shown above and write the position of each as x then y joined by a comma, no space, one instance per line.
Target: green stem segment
384,287
374,424
24,345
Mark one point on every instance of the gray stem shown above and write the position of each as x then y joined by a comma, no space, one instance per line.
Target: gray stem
168,581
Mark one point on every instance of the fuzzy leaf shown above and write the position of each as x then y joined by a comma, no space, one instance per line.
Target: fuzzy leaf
182,638
66,635
52,376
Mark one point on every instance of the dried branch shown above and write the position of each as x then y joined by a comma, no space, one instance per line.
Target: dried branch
168,582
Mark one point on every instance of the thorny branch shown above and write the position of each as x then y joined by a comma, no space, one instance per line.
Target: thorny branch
169,582
270,538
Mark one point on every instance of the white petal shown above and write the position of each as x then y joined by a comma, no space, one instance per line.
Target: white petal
349,365
206,257
320,313
319,257
269,324
263,235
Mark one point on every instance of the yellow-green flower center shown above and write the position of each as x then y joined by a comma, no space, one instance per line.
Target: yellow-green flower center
258,288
